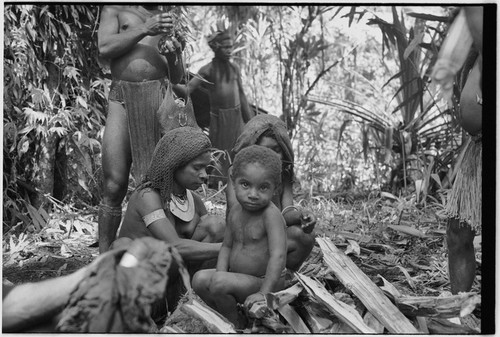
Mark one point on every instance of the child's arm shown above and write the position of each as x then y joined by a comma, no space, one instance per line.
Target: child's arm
230,194
276,238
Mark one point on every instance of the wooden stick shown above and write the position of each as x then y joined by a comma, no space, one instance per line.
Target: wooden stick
442,307
370,295
344,312
293,318
283,297
214,321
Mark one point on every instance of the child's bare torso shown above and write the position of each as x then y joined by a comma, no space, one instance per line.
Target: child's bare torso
250,251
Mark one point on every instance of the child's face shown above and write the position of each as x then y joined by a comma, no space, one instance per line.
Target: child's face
194,174
254,187
271,144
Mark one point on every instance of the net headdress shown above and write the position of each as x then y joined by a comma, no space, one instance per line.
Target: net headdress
258,125
174,150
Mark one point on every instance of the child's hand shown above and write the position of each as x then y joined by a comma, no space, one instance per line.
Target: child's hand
308,221
256,305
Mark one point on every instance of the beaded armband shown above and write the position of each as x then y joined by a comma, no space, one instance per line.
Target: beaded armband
153,216
287,208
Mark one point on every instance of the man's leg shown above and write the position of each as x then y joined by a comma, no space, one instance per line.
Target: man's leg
116,161
461,258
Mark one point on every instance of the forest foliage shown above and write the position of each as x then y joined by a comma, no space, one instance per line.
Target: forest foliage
351,82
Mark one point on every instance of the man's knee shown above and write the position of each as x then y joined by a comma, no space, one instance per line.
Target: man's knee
115,189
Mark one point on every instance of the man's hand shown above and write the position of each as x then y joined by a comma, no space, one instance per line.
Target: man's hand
159,24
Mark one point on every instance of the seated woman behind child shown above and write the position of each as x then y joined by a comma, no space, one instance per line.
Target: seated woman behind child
163,206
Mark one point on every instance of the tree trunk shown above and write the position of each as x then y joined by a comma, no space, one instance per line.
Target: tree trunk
44,180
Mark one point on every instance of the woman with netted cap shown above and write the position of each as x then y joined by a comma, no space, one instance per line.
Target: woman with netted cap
271,132
164,207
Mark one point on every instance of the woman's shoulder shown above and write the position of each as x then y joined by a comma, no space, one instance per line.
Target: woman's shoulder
145,200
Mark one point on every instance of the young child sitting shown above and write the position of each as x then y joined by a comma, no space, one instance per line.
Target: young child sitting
271,132
252,258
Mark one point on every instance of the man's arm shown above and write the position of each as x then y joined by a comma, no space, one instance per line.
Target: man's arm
164,229
30,304
112,43
246,111
195,82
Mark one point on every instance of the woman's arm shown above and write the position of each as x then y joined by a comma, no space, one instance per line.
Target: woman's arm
225,251
295,216
164,229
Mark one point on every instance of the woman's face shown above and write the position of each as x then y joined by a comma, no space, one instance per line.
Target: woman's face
271,144
194,174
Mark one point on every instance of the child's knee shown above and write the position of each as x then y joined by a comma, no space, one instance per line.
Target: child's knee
201,280
218,283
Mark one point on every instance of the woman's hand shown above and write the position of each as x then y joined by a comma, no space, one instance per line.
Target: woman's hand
308,221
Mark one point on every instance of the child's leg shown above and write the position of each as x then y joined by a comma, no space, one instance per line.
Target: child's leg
201,285
228,289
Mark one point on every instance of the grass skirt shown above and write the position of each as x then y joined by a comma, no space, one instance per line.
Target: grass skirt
142,100
465,197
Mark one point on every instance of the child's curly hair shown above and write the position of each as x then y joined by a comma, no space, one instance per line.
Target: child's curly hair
261,155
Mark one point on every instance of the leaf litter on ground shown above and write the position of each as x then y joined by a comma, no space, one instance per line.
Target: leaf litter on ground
386,236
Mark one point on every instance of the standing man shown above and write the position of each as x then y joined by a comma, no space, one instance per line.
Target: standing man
128,37
228,103
464,206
